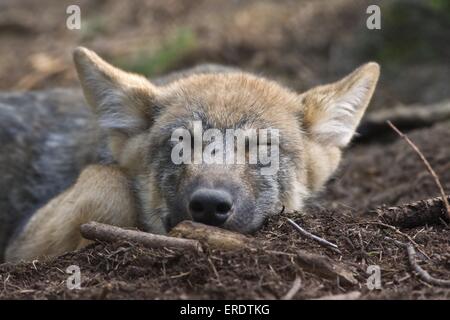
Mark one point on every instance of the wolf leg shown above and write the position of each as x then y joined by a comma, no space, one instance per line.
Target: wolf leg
101,193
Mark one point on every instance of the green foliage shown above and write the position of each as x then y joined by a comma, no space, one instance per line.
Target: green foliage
151,63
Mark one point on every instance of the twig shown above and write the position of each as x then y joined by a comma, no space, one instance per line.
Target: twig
214,237
424,275
311,236
214,269
427,164
103,232
418,213
294,289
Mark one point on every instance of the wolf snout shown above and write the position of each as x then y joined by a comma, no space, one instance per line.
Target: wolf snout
210,206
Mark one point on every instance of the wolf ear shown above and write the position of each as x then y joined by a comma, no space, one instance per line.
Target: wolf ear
332,112
121,100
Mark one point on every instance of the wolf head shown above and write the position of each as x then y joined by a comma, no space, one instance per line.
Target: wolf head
149,126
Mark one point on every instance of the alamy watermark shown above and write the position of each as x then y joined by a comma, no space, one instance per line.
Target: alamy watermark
374,280
233,146
74,280
73,21
373,22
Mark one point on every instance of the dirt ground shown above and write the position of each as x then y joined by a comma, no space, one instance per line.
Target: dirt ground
289,41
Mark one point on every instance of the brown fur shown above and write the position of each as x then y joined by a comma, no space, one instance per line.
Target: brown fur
55,228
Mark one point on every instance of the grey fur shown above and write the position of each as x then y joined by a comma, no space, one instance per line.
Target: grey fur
41,145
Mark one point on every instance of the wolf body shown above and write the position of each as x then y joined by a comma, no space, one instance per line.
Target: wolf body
63,163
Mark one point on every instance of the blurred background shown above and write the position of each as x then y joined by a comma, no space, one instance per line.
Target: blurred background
299,42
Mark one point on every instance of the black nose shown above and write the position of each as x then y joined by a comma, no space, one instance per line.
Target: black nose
210,206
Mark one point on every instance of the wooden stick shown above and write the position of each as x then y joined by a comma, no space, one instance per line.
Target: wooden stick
297,284
427,164
424,275
415,214
214,237
103,232
313,237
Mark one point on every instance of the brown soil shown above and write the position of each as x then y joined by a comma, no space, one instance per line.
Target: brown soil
123,270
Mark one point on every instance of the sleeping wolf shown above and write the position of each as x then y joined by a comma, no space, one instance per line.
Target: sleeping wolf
63,165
